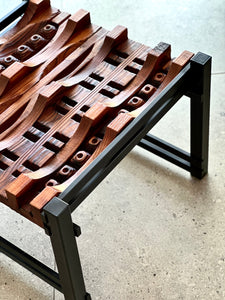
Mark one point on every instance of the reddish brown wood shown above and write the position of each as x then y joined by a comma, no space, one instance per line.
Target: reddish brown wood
67,91
36,107
176,66
74,142
154,59
33,20
36,10
79,20
59,63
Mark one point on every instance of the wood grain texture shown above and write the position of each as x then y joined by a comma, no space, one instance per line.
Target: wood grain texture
98,88
67,93
79,20
52,91
15,100
32,14
176,66
157,56
21,32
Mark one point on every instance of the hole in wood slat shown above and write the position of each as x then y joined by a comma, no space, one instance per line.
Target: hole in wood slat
132,69
69,101
16,173
36,42
111,61
64,173
147,88
52,182
23,52
52,147
48,31
61,137
135,100
158,78
120,53
139,61
159,75
41,127
9,154
3,166
77,118
8,59
94,141
80,155
30,166
107,93
85,108
61,110
65,170
80,158
31,137
96,77
116,85
22,48
87,85
134,103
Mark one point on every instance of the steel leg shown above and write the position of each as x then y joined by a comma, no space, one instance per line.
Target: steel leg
58,223
200,105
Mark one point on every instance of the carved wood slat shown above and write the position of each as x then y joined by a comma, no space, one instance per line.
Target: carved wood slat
35,13
32,84
68,90
58,40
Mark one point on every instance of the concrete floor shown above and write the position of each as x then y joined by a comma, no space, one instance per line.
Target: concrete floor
149,231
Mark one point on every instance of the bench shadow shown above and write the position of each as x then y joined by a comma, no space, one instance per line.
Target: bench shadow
14,286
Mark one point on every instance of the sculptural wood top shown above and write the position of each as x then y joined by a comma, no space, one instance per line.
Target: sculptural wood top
66,92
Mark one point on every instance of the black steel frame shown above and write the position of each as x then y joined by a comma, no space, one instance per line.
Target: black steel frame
194,82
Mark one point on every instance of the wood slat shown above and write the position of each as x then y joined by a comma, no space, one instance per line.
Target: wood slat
64,101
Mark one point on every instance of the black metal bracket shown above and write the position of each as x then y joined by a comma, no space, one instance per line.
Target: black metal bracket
194,82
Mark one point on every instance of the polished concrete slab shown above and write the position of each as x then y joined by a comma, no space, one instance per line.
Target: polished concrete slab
149,231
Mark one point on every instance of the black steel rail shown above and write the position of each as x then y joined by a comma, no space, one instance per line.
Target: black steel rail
13,15
30,263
